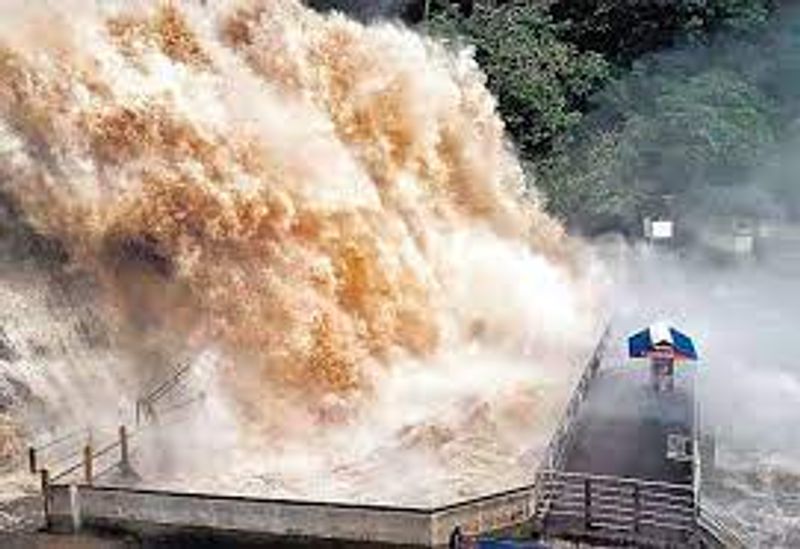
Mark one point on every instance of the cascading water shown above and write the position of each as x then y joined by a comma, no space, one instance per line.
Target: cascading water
324,216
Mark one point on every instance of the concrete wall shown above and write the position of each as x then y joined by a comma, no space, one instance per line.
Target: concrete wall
134,509
489,514
123,508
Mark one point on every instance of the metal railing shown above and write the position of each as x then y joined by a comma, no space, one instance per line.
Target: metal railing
58,449
146,404
79,450
555,453
603,507
720,529
85,456
63,451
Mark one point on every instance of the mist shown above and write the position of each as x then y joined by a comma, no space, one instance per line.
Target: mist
706,134
427,320
324,219
706,128
743,320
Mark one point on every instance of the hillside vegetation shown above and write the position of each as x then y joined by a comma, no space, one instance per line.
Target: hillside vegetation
613,105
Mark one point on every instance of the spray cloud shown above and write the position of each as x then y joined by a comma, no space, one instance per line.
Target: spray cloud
330,209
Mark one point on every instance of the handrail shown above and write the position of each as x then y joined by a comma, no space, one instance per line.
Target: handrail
83,456
66,472
716,524
601,505
146,405
152,396
106,449
556,449
618,480
60,439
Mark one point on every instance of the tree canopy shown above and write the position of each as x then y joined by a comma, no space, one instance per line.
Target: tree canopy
614,104
541,81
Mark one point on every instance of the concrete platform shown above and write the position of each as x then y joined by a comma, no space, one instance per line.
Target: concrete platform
149,512
623,427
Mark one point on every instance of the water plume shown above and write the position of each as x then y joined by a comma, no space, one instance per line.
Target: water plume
328,205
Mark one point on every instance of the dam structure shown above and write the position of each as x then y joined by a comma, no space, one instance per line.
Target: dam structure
622,467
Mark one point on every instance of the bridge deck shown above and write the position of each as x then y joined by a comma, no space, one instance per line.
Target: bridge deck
623,426
620,485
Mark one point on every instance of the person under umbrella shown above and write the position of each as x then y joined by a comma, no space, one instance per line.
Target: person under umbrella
663,345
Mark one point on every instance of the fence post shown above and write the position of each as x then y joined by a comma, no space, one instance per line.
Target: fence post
87,463
123,448
587,502
45,481
637,505
75,507
32,459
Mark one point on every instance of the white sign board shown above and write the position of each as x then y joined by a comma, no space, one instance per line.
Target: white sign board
661,230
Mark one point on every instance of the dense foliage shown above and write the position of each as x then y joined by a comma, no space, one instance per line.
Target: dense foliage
623,30
614,104
655,135
541,81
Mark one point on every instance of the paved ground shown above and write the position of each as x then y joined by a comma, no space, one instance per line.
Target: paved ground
623,426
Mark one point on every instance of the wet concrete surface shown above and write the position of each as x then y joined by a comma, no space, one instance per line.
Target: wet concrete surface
623,426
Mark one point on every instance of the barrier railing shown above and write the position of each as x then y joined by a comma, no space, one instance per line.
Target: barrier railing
56,450
146,404
596,506
555,453
720,529
93,461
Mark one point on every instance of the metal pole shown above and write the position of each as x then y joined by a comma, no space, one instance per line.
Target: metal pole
426,10
45,481
123,447
32,460
587,501
87,463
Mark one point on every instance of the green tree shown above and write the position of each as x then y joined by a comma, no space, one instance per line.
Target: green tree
708,128
624,30
659,132
684,122
587,187
541,82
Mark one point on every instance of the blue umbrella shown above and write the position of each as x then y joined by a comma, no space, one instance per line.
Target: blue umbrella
644,343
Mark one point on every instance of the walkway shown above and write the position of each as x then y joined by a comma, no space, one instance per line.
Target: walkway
623,426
